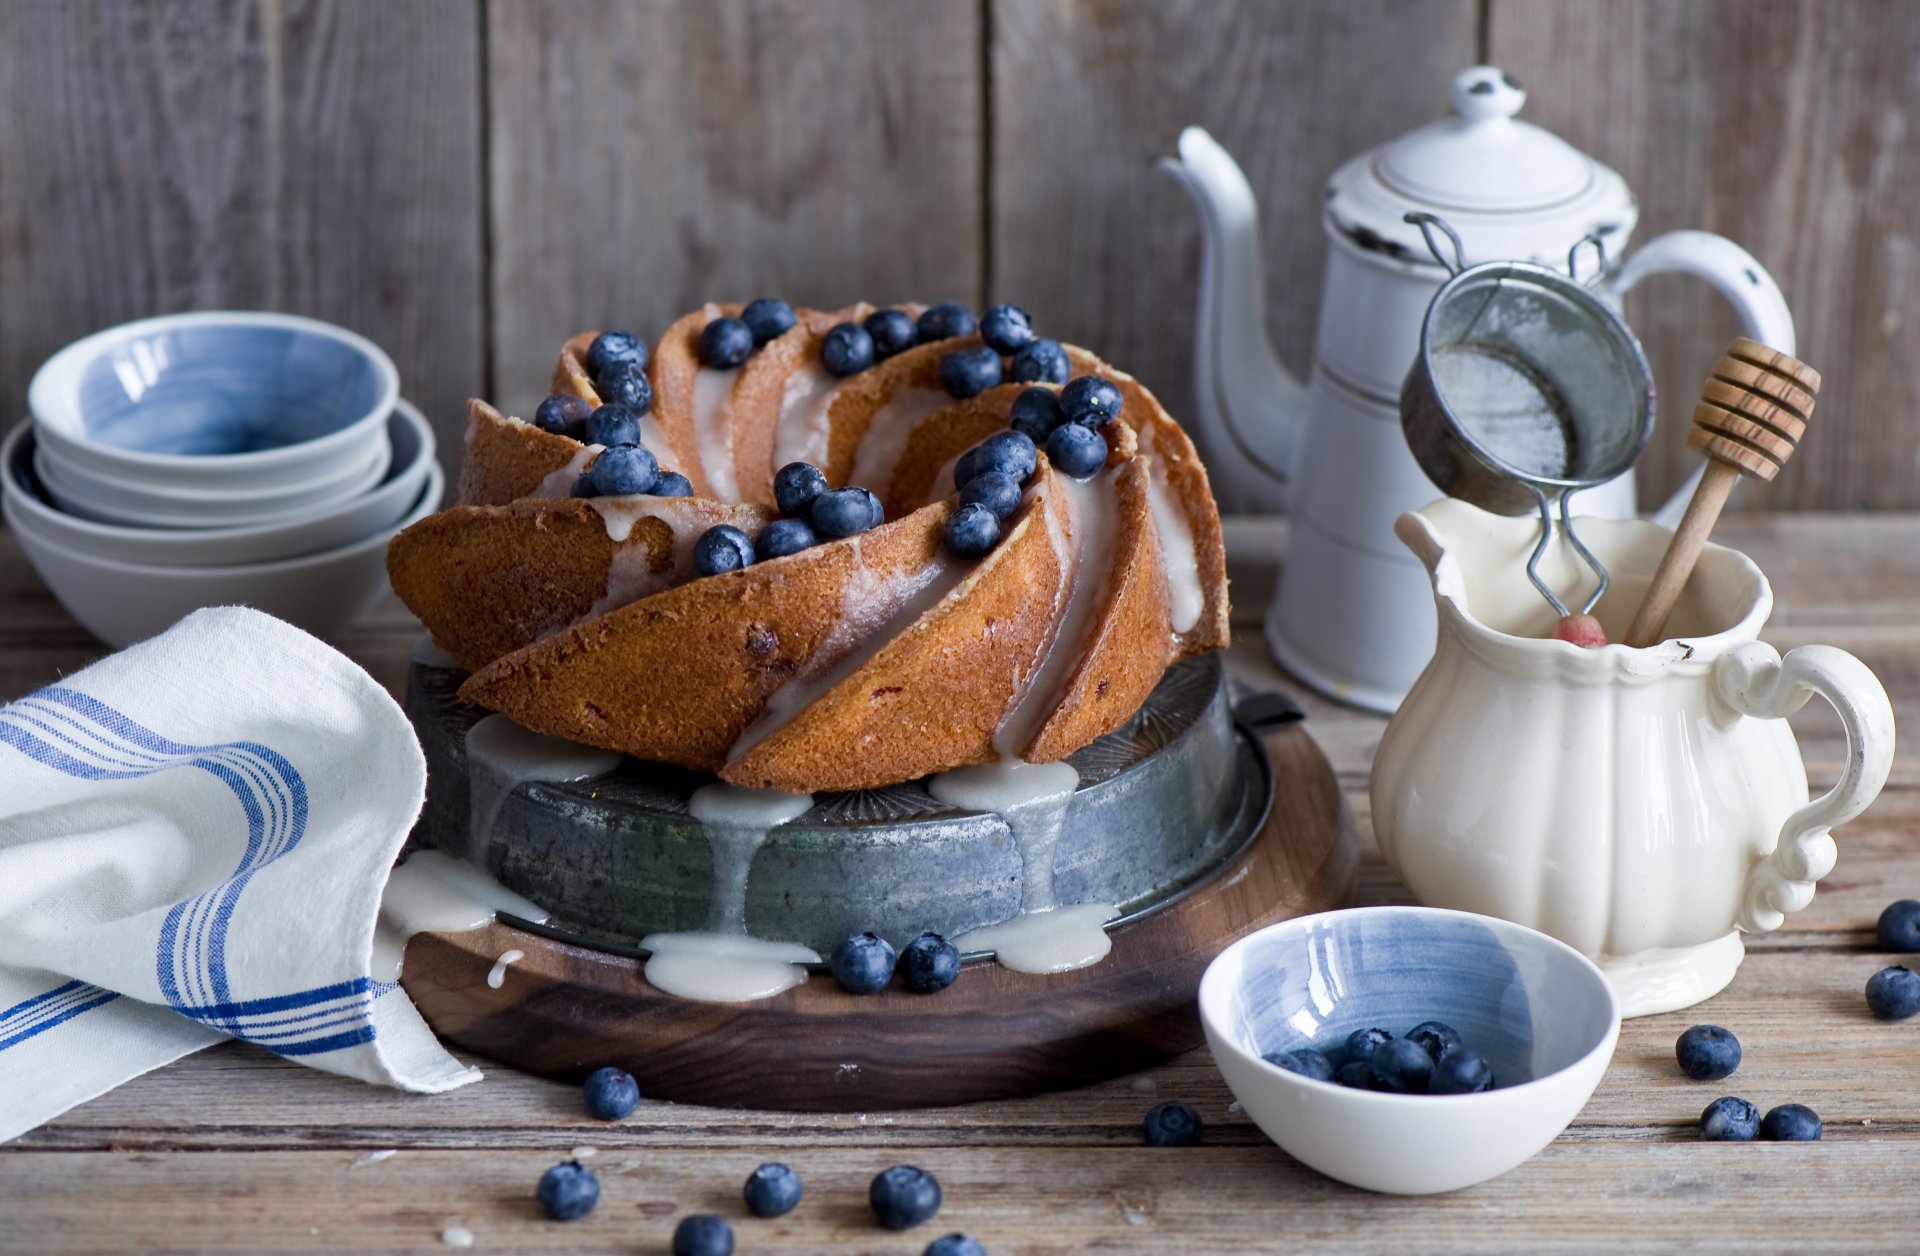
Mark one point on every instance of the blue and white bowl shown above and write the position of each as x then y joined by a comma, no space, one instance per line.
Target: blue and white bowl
1540,1013
227,401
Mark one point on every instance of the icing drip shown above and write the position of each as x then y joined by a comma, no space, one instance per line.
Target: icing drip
501,755
560,483
1058,940
1178,554
630,573
722,964
713,430
434,892
497,976
801,435
886,437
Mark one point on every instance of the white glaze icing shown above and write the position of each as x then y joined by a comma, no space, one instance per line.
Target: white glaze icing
427,654
805,403
560,483
630,573
887,435
501,755
1179,557
497,975
713,429
434,892
1056,940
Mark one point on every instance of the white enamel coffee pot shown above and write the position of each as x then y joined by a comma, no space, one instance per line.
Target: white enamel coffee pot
1354,616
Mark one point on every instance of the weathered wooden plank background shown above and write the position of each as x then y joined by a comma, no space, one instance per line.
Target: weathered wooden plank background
467,181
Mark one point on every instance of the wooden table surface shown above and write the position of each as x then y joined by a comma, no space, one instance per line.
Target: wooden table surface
236,1150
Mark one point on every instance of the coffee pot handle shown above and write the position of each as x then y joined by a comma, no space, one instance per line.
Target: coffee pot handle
1737,276
1754,680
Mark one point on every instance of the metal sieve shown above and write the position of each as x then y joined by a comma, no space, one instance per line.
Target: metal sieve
1527,388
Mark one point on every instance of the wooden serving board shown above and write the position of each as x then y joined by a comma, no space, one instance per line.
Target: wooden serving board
564,1010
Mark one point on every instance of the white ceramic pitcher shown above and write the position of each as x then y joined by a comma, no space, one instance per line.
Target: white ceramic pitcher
1352,617
1647,807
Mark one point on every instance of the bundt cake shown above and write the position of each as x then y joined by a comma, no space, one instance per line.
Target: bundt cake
811,550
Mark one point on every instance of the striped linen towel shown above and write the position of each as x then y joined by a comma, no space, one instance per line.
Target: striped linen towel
194,836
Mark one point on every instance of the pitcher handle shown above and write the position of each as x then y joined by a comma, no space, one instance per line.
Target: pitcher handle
1754,680
1737,276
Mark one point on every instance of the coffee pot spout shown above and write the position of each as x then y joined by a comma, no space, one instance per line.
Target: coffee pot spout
1249,408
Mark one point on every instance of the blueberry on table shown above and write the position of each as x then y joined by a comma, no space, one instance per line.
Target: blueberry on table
627,384
903,1196
1402,1066
1008,452
702,1235
847,350
1894,993
767,318
996,490
1460,1072
615,346
624,470
671,484
842,512
1042,362
610,1093
722,548
1035,413
783,537
1076,451
1730,1119
954,1245
1092,400
969,372
945,320
568,1191
796,485
929,964
1362,1043
1172,1124
724,344
563,414
1305,1061
892,331
1435,1038
1791,1123
971,531
1006,329
862,963
1707,1053
1357,1075
772,1190
613,424
1899,927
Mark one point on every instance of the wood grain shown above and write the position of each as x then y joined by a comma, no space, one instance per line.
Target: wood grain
648,158
300,155
1102,249
1785,126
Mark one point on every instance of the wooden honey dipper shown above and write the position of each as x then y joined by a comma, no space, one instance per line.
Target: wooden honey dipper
1750,416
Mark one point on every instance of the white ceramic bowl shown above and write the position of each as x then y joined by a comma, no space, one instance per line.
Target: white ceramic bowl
229,400
1540,1013
321,528
122,602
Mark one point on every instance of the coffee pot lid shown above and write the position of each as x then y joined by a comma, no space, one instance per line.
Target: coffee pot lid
1511,189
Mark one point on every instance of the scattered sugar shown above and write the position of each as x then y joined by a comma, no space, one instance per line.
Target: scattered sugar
375,1157
457,1236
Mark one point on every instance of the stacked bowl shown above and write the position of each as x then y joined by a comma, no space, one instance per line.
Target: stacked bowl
211,459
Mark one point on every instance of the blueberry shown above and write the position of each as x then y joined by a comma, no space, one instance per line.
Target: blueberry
722,547
767,318
1403,1066
1076,451
903,1196
627,384
1438,1040
773,1190
1899,926
568,1191
1791,1123
930,963
624,469
1092,399
583,487
1042,362
783,537
1172,1124
1707,1053
842,512
954,1245
613,424
1730,1120
1035,413
996,490
796,485
1357,1074
1305,1061
949,318
969,372
563,414
891,330
671,484
1006,329
615,346
971,531
702,1234
1362,1043
610,1093
1009,453
1893,993
725,343
847,350
1460,1072
862,963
